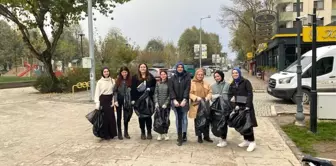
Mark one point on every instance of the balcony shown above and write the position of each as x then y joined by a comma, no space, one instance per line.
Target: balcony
285,1
333,12
286,16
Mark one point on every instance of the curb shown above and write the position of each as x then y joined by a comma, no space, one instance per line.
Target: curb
277,113
295,150
273,111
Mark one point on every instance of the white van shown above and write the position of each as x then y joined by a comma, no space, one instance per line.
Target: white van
284,84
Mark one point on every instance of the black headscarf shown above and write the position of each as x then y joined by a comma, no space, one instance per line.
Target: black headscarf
221,74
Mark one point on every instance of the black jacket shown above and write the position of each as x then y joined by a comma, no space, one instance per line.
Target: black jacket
244,88
179,87
150,83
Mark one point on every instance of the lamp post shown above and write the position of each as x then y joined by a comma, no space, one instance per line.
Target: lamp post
91,51
200,42
81,39
299,108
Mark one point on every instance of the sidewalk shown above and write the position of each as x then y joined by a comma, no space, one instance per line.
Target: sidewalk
257,84
53,131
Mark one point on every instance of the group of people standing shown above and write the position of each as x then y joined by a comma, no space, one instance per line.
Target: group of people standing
180,93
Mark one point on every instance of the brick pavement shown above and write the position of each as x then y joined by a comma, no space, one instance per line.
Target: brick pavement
52,130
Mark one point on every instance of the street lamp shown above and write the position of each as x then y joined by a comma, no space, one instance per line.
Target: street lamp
299,108
200,43
91,51
81,39
313,92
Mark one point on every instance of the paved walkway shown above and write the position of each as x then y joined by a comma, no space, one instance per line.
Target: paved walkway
52,130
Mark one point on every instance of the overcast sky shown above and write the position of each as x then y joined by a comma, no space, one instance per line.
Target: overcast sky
142,20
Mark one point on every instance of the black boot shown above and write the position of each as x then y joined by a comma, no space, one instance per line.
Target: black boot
208,139
120,136
149,135
184,137
179,140
143,135
126,131
199,139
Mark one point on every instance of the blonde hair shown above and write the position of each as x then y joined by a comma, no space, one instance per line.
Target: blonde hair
197,71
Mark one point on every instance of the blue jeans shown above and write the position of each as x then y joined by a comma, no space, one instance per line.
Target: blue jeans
184,118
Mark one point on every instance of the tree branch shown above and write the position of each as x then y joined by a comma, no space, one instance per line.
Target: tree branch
58,33
23,29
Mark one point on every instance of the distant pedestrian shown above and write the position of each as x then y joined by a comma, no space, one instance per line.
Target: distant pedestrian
143,84
122,99
103,99
162,102
179,86
243,87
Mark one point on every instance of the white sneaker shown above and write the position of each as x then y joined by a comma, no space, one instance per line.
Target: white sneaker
244,144
222,143
166,137
159,138
251,146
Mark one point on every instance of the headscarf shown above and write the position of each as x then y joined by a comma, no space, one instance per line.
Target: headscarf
197,71
178,73
102,72
239,77
221,74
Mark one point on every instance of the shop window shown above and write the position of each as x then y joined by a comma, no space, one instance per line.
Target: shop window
323,66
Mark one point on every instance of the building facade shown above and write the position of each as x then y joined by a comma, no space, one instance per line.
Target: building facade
287,11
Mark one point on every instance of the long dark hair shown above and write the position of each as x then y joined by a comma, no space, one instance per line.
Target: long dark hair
147,77
121,78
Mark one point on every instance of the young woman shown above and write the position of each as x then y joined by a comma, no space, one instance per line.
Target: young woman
242,87
179,87
162,100
103,100
122,100
142,82
220,88
199,90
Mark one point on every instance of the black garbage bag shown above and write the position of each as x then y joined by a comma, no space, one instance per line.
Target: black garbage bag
92,116
232,118
246,125
144,106
127,107
220,110
202,117
161,120
98,124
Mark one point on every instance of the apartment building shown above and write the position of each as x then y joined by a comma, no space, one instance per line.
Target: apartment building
287,11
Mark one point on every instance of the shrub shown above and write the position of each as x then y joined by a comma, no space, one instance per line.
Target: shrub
44,84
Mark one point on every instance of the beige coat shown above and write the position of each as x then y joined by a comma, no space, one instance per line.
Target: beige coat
195,92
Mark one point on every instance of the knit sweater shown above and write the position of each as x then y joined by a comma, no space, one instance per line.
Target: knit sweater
104,87
161,95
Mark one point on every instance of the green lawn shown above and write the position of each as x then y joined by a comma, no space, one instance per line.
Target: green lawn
304,139
6,79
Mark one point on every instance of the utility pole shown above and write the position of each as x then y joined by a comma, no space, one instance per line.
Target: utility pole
91,52
81,38
299,108
200,42
313,92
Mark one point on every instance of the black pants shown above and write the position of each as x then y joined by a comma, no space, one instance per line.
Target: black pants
249,137
206,132
225,130
145,123
179,112
120,112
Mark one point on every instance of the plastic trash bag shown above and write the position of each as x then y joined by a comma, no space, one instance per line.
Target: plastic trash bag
144,106
202,116
92,116
98,124
127,107
220,110
244,128
161,120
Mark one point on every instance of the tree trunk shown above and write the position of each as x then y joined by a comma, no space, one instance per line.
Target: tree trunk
49,70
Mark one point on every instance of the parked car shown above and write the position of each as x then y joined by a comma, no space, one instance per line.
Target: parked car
170,72
156,72
225,69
